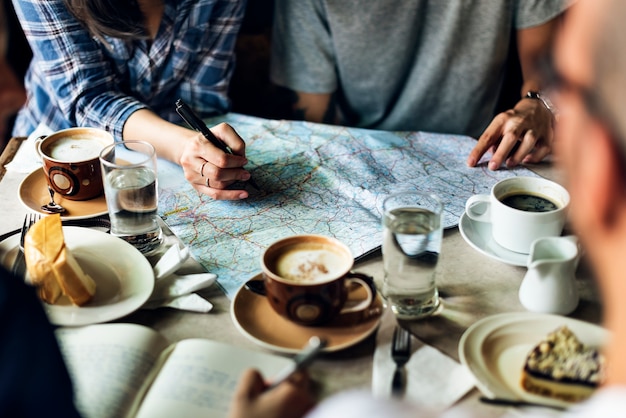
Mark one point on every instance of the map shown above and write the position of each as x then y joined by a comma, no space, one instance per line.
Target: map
316,179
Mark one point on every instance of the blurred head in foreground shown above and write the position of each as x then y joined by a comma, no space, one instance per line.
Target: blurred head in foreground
587,82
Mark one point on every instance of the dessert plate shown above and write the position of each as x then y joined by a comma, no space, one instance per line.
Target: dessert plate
478,236
495,349
33,192
255,319
122,286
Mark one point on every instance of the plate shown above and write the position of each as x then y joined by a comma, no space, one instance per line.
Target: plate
33,192
495,348
256,319
122,286
478,236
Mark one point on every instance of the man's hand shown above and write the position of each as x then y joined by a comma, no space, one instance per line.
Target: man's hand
522,134
290,399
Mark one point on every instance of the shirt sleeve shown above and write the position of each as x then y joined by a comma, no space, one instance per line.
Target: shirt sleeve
73,67
531,13
302,56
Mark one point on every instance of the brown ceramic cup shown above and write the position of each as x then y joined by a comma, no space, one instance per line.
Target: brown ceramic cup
308,278
70,161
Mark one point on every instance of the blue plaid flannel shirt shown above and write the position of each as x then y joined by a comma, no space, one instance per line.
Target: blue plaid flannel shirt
75,80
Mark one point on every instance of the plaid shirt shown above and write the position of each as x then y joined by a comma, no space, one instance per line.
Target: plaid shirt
75,80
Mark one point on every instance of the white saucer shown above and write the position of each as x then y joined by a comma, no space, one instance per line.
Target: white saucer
494,349
478,236
122,286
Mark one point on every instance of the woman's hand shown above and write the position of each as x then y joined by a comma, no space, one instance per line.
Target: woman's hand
208,169
211,170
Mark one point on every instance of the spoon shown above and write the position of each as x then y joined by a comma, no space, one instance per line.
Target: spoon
52,206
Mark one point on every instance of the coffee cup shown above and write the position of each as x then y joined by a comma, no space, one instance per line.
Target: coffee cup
308,279
70,161
521,210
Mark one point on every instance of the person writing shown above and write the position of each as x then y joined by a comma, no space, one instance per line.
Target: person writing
419,65
121,66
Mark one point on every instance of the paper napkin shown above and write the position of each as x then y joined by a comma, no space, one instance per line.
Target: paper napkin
434,380
177,291
26,159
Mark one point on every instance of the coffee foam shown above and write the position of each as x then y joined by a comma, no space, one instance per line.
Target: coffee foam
310,265
75,149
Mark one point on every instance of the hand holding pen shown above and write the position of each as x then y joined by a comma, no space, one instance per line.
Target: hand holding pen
254,397
197,124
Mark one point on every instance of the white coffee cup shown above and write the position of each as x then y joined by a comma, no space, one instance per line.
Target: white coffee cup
515,228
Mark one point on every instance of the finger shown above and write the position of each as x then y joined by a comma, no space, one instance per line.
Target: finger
487,140
223,175
538,154
220,194
525,147
508,142
230,137
300,380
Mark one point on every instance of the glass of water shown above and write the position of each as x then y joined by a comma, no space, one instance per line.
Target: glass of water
129,174
412,235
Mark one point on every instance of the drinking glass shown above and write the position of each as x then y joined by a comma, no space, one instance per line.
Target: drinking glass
412,235
129,174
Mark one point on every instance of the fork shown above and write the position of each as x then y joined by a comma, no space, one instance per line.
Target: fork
19,265
400,353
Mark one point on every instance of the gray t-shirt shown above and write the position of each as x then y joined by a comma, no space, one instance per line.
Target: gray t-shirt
424,65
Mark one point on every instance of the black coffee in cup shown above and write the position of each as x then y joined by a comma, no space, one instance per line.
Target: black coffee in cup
529,202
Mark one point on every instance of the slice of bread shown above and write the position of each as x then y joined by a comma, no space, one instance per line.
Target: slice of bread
562,367
52,267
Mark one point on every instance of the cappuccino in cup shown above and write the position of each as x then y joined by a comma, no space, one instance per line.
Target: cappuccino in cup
310,263
70,161
308,277
74,149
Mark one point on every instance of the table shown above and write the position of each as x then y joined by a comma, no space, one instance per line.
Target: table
472,285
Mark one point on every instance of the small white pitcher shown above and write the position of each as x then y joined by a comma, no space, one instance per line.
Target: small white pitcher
549,286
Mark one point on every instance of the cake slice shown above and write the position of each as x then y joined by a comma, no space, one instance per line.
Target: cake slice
562,367
51,265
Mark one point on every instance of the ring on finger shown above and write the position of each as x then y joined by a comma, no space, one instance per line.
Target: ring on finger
202,168
207,183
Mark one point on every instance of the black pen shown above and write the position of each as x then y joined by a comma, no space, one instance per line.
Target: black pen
303,359
197,124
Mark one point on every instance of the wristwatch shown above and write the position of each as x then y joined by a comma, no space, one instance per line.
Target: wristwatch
543,99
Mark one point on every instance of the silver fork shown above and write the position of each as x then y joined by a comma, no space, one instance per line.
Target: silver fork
400,352
19,265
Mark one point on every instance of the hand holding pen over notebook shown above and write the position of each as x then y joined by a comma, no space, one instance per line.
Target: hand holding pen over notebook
302,360
196,123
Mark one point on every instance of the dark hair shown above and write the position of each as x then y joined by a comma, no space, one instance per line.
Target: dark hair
121,19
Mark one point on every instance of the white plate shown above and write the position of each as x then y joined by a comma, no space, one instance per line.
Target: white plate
495,349
123,276
478,236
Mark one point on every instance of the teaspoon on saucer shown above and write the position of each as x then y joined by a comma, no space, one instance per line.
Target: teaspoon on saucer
52,206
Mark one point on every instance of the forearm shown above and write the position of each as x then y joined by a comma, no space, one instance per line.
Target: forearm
315,107
532,44
167,138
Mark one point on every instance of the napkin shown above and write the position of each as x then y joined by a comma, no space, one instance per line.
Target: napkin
434,380
26,160
177,291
